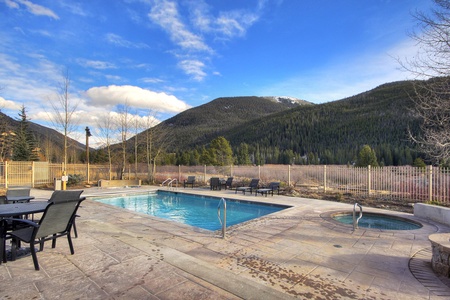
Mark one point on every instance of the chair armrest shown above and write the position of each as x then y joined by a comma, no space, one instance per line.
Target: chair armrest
25,221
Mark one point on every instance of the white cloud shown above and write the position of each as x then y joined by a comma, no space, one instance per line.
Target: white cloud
96,64
235,23
228,24
152,80
35,9
165,14
8,104
121,42
193,68
110,96
11,4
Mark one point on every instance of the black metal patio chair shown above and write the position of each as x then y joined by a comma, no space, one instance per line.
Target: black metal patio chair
56,222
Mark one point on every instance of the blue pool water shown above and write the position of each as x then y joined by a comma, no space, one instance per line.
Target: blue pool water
198,211
379,221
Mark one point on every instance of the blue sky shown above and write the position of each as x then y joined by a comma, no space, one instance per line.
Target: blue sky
165,56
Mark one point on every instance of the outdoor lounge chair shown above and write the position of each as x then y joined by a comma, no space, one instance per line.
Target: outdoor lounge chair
56,222
189,181
214,183
228,183
252,186
273,186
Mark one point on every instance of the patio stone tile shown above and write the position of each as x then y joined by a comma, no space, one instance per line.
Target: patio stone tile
92,260
296,253
136,292
70,286
361,280
189,291
18,290
206,255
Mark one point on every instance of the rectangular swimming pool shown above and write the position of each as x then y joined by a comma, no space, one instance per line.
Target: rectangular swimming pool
194,210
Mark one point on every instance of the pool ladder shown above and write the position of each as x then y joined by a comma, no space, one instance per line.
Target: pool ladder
223,222
356,220
170,182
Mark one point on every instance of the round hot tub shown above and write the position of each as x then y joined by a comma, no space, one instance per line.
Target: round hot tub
378,221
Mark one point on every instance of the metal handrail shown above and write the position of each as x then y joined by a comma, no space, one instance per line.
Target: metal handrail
168,179
356,220
170,183
224,223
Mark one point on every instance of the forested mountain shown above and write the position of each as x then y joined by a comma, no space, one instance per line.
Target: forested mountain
199,125
50,143
278,130
329,133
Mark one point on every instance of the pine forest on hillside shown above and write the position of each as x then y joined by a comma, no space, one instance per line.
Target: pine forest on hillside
265,130
330,133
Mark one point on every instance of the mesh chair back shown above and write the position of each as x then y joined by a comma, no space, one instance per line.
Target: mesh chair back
254,183
63,196
18,192
58,217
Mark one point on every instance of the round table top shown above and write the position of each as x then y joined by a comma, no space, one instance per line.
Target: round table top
17,209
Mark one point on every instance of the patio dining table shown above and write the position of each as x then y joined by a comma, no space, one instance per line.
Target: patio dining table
17,210
20,209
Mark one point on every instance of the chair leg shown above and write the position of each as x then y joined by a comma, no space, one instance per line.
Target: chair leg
33,254
13,249
75,228
54,241
41,245
3,241
69,239
2,250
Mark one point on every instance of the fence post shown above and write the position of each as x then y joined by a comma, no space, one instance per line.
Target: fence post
231,170
430,183
368,180
179,173
32,174
6,174
289,175
325,178
204,174
259,172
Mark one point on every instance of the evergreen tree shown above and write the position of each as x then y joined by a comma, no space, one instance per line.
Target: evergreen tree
220,151
243,157
205,157
24,144
367,157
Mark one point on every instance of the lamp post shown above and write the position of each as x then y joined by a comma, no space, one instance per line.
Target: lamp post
88,134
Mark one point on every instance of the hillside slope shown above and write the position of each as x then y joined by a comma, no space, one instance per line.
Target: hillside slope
335,131
332,133
199,125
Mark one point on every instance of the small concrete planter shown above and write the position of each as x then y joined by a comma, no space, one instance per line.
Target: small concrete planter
118,183
435,213
440,244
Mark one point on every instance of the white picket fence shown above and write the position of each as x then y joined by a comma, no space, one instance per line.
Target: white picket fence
404,183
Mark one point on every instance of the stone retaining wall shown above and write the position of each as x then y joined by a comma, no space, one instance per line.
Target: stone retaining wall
435,213
118,183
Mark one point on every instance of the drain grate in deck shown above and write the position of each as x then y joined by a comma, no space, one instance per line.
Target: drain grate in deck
420,267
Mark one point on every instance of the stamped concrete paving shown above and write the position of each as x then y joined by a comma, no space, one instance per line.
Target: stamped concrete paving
299,253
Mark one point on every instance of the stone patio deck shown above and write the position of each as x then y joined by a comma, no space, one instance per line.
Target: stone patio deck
298,253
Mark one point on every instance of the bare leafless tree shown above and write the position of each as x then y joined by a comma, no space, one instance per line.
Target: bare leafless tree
107,130
138,126
150,122
432,96
63,114
123,122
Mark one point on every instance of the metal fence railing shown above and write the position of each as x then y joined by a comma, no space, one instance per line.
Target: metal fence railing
404,183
